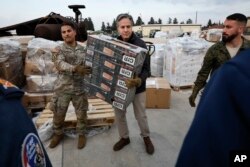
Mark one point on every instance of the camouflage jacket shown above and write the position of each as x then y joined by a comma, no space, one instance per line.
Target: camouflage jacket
68,81
214,58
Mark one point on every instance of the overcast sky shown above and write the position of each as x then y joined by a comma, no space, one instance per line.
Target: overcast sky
17,11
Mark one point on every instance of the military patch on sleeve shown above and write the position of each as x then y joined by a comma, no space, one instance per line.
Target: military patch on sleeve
32,152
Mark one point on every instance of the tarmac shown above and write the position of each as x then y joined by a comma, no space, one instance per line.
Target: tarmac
168,128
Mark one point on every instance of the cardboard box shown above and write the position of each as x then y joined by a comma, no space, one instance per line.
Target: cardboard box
40,83
42,68
36,100
112,62
158,93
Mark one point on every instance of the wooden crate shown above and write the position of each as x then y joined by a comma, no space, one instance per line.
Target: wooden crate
36,100
100,114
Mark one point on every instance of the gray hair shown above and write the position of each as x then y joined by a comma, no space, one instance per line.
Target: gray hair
122,16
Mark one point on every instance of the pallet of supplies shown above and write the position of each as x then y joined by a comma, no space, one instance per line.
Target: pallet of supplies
183,60
11,62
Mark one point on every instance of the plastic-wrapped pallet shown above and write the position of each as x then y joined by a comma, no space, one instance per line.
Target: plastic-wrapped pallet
196,34
173,33
40,83
39,69
39,58
183,60
11,64
214,35
112,62
23,40
157,60
161,34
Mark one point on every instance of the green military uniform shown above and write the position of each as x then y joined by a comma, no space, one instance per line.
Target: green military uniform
214,58
69,86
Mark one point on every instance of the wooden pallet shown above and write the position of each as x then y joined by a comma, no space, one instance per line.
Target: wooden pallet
35,101
100,114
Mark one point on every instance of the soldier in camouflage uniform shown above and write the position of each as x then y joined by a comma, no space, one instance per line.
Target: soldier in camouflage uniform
69,85
231,44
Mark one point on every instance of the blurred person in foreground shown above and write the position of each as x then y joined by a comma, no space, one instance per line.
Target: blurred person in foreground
124,24
232,43
221,123
19,137
69,86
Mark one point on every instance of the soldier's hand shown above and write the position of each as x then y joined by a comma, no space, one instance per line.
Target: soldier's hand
192,101
133,82
193,97
55,51
83,70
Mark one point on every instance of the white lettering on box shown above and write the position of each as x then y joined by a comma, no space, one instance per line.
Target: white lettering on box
88,63
90,52
121,83
118,105
128,59
126,72
120,95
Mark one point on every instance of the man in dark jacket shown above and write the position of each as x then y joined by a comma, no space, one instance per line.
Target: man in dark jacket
221,125
19,141
232,43
124,26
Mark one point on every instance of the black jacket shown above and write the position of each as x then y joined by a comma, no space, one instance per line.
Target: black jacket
19,141
145,72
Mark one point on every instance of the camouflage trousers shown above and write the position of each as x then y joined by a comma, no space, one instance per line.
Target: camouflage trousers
59,105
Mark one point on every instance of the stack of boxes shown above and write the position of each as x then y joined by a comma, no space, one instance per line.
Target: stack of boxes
40,73
39,69
183,60
11,64
157,60
112,62
214,35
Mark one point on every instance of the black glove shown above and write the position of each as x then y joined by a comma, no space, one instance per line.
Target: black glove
193,97
83,70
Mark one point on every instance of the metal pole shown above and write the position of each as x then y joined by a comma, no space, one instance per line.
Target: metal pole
196,17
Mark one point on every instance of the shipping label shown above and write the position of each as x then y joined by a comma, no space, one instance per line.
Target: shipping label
121,83
118,105
128,59
121,95
90,52
126,73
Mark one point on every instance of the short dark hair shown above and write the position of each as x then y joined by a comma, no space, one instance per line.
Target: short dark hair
122,16
72,25
238,17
